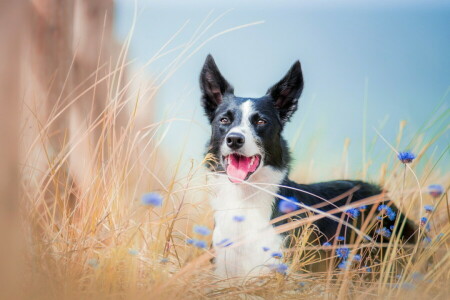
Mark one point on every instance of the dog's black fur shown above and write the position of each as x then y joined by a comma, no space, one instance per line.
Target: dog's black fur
277,107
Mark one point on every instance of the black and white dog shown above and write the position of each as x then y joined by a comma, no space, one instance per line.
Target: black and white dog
251,165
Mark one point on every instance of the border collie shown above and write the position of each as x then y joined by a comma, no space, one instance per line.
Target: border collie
250,169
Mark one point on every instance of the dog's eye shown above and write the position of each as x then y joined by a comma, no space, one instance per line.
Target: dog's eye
225,121
261,122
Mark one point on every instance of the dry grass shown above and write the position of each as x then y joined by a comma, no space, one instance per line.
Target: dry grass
103,243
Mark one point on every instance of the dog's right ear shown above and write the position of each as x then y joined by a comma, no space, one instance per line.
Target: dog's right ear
214,87
286,92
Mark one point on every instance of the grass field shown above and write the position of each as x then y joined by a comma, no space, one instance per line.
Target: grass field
106,242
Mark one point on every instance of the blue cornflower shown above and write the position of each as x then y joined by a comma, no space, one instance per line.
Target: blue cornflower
93,262
227,244
277,254
391,227
391,215
288,206
427,240
282,268
357,257
423,221
405,286
200,244
379,218
265,249
133,252
164,260
382,207
190,241
224,243
363,207
386,210
417,276
279,268
239,218
435,190
429,208
368,269
384,232
342,253
152,199
202,230
326,244
344,265
439,236
341,238
353,212
406,157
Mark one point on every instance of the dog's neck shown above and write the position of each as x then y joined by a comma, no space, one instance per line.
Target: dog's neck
242,213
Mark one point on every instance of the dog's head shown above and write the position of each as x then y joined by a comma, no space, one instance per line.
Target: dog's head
246,132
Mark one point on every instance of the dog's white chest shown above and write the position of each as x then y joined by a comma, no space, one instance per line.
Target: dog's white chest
243,238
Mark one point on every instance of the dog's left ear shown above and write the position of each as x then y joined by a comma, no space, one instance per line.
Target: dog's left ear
214,87
287,91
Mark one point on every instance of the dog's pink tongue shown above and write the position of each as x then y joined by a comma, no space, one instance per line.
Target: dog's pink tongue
239,167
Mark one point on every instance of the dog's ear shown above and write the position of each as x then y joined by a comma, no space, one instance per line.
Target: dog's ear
286,92
213,86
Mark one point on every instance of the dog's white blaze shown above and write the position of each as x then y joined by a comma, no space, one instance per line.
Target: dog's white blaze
250,147
246,256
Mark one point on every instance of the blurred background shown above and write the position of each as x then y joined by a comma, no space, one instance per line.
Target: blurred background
366,66
100,105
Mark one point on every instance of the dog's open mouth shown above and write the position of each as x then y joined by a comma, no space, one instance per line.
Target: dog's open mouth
239,167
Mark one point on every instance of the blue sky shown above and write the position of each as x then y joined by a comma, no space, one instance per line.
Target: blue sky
396,54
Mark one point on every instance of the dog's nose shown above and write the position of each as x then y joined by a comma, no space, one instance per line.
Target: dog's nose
235,140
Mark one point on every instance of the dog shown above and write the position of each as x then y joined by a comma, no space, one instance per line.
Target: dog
250,174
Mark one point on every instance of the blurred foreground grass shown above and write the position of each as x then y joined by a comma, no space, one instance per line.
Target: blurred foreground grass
93,235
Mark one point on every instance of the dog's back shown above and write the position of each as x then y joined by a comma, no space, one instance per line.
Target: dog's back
346,193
